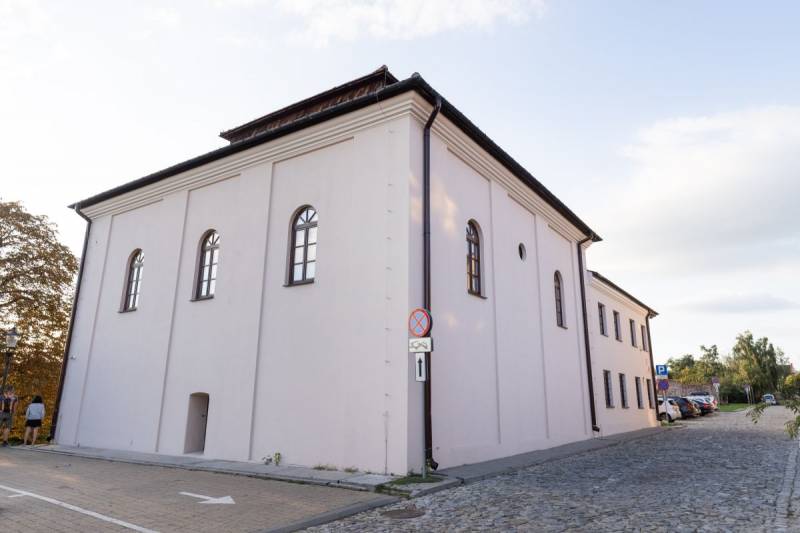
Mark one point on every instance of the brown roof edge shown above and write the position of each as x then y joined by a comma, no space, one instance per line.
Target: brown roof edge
365,85
413,83
625,293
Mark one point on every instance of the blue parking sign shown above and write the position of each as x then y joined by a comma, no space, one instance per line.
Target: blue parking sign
661,370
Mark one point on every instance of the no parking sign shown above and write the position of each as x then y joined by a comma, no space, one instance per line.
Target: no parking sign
419,322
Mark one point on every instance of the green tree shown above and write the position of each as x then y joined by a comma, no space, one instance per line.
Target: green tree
36,277
757,362
688,369
680,367
791,385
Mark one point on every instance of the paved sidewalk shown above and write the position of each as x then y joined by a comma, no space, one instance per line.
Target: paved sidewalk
60,493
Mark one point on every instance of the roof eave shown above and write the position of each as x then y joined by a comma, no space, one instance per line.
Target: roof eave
650,311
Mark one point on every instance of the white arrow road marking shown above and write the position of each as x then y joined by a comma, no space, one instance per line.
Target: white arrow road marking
209,499
77,509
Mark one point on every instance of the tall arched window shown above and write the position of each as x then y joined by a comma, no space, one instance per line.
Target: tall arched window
303,254
473,258
207,266
133,282
558,284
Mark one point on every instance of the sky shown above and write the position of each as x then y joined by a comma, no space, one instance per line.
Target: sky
671,128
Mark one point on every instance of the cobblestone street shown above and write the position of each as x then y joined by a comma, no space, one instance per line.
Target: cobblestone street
717,473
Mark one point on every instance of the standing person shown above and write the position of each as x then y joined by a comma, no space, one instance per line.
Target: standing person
8,404
33,419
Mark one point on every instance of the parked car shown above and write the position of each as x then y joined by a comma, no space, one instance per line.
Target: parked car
672,411
687,408
705,397
769,399
704,406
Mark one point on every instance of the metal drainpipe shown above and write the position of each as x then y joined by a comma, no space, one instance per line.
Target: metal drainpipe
592,410
426,270
652,366
71,326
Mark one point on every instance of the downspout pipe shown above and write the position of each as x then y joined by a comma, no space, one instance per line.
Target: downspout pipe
653,391
582,272
71,326
426,270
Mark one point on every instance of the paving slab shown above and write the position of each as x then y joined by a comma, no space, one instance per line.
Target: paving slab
67,493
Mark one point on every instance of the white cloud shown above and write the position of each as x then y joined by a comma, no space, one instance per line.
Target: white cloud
743,303
24,29
323,21
166,17
721,188
704,226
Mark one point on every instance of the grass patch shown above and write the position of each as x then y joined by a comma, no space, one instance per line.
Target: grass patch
329,468
732,407
412,479
351,470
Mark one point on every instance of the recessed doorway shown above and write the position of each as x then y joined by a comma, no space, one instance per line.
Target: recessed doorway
196,423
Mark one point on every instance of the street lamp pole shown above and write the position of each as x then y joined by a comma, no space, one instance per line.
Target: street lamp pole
11,344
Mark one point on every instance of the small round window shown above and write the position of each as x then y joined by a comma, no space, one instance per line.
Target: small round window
523,253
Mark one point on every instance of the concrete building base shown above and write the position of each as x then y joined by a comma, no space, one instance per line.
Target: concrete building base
296,474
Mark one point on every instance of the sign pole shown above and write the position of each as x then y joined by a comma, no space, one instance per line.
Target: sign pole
419,325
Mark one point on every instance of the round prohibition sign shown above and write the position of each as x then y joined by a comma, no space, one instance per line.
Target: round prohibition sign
419,322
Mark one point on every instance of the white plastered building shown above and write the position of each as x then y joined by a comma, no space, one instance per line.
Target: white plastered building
254,299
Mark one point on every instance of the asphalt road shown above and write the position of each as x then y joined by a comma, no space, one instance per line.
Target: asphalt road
48,492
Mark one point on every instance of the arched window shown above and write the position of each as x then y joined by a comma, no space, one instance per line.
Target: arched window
473,258
207,266
133,283
558,284
303,254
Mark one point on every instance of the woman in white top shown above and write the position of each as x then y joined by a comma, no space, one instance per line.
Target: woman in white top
33,419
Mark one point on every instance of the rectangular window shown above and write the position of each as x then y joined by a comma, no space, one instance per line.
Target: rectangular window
601,312
639,399
645,346
633,333
617,327
623,391
650,393
608,388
